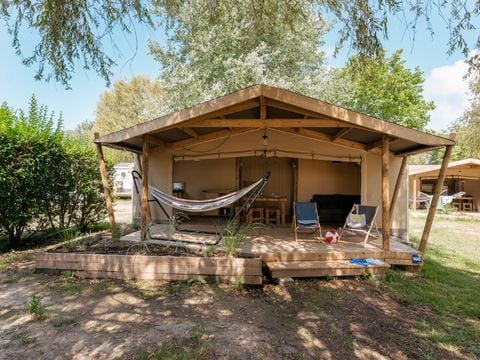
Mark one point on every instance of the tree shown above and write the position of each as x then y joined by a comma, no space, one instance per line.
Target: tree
73,33
468,126
202,60
385,88
128,103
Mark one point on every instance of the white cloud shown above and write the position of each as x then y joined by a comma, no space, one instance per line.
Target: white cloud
446,86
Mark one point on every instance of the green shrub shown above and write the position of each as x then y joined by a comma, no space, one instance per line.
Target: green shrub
35,307
47,181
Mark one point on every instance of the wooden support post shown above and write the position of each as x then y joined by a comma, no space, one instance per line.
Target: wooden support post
436,196
106,187
385,193
414,195
398,185
144,190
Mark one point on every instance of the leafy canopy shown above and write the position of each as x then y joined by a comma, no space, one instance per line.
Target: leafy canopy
383,87
79,34
244,46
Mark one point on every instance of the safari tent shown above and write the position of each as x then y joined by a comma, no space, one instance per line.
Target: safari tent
314,150
461,176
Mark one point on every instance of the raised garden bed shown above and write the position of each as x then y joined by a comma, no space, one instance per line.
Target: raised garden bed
117,260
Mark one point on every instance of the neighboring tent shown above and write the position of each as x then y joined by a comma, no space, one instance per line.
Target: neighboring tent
461,176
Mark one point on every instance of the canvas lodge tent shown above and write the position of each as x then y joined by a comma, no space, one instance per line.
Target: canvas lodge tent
461,176
312,148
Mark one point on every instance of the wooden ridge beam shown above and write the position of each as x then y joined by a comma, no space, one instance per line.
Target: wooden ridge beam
269,123
201,139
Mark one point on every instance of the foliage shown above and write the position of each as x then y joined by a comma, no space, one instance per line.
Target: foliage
35,307
231,241
204,60
46,179
30,146
71,33
126,104
79,33
468,126
383,87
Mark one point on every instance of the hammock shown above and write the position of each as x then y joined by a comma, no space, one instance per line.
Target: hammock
161,197
202,205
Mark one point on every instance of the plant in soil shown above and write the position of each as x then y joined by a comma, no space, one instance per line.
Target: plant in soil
34,307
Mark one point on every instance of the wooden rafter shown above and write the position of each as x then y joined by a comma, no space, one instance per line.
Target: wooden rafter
201,139
189,131
341,133
315,135
379,143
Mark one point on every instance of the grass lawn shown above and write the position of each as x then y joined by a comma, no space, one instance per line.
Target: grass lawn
449,283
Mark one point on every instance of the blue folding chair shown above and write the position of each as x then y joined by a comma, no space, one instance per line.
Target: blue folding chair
305,219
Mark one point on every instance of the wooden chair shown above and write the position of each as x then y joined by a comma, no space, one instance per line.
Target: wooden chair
275,211
255,214
305,219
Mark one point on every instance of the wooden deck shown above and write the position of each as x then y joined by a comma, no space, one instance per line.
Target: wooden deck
285,257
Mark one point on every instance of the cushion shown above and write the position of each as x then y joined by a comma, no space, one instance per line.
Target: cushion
356,221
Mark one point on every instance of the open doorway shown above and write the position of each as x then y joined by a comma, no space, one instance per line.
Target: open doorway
334,185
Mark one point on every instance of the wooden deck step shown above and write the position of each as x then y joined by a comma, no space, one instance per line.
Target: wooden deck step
283,269
322,254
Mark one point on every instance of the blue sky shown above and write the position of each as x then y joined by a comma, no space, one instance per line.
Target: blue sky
444,83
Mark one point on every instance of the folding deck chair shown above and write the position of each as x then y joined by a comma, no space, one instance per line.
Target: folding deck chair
361,221
305,218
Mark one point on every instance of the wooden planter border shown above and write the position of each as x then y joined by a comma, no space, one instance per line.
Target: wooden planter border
225,269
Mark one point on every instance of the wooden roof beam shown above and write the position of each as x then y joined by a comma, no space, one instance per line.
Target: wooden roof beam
272,123
201,139
341,133
315,135
189,131
379,143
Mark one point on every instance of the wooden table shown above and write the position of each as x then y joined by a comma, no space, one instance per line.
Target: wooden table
281,200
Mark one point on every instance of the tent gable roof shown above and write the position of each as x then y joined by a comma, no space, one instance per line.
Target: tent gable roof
263,106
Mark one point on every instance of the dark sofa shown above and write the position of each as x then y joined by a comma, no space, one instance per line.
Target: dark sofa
334,208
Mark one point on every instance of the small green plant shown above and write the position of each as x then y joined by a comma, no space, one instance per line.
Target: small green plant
231,241
367,275
210,251
238,284
68,234
34,307
68,274
71,245
448,209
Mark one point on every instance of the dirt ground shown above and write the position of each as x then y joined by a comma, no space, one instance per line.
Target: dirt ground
309,319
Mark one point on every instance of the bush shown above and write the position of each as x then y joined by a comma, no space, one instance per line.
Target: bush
47,181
